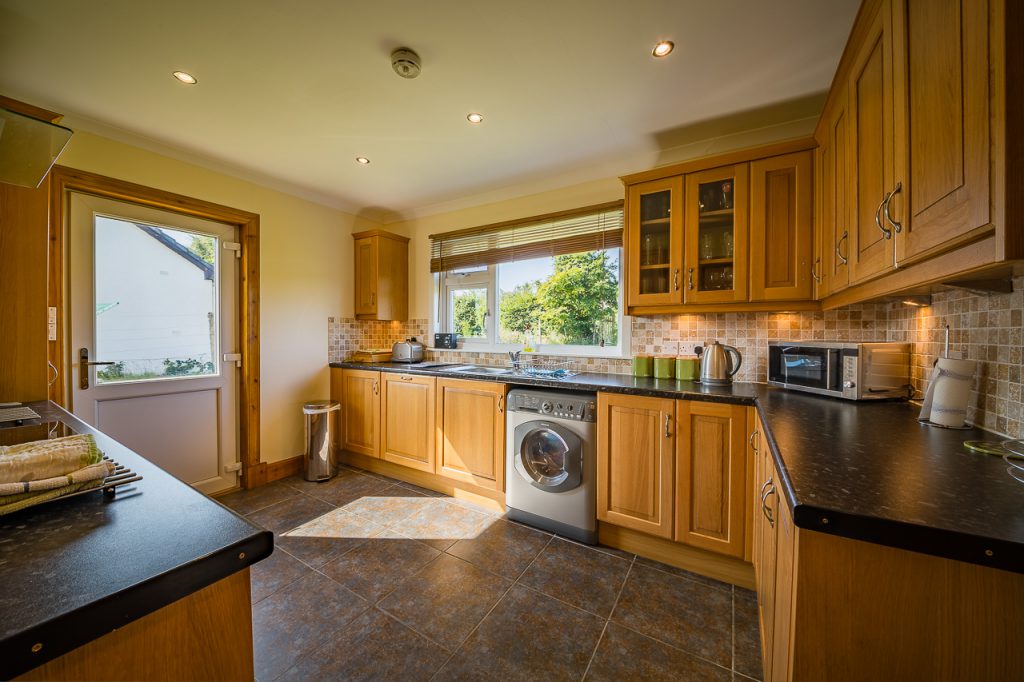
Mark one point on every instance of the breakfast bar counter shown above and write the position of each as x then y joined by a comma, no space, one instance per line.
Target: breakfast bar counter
77,569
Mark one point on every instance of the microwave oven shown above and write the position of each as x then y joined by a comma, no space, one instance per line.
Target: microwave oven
854,371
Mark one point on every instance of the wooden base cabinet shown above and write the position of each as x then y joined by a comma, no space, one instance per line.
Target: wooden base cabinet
360,411
710,489
407,416
635,452
471,432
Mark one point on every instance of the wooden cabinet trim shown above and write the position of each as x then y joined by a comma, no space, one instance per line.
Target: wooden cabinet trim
724,159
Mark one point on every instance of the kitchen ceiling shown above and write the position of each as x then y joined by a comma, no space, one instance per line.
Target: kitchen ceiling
290,93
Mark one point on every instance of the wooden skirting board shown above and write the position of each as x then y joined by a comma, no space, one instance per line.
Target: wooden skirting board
204,636
699,561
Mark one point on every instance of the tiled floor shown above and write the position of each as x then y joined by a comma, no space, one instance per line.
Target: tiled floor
373,578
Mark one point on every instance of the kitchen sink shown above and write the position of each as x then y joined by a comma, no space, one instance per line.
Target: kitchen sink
480,369
431,365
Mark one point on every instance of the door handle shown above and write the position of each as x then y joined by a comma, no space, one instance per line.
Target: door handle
375,387
814,271
675,280
501,409
765,509
753,435
83,367
839,244
878,216
885,208
668,433
405,378
690,278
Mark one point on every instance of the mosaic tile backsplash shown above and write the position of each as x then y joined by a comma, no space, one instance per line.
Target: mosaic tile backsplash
986,328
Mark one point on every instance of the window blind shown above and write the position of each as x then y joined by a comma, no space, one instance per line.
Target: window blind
552,234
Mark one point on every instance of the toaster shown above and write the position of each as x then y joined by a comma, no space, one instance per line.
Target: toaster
409,350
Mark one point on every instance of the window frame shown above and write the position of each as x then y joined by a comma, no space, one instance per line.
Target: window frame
445,282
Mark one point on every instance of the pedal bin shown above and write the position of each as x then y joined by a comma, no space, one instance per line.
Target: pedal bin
318,460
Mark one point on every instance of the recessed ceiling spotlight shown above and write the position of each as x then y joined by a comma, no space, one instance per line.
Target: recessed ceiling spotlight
663,48
362,159
475,118
186,78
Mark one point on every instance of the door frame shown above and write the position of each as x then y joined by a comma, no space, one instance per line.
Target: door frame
63,181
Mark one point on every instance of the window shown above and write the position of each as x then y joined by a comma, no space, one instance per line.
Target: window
549,284
567,304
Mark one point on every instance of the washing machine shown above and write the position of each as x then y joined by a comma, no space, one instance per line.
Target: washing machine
551,463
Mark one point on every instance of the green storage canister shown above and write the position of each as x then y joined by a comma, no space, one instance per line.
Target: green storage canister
665,367
642,365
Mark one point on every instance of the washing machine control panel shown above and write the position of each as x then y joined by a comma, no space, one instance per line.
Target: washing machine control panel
576,408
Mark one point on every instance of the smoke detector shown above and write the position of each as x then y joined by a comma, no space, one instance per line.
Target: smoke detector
405,62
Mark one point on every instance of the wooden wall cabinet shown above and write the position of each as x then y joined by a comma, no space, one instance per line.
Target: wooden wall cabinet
716,235
471,432
781,231
727,233
923,120
360,411
381,275
710,489
407,416
635,452
654,242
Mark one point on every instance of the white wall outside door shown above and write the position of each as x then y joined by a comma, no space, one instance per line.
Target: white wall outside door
154,292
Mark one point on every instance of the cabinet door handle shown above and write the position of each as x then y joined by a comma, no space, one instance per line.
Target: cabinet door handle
689,274
814,271
375,387
760,493
765,509
405,378
675,280
500,407
668,434
839,245
885,208
373,299
878,216
753,435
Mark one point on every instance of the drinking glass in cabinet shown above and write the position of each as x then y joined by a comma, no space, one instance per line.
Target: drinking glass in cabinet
707,246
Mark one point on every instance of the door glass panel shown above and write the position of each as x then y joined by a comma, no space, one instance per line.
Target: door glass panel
655,242
715,236
544,455
156,301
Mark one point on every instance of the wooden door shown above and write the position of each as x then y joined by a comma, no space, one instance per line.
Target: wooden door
785,584
942,129
366,249
391,298
871,149
781,231
360,411
407,416
836,200
471,432
716,236
635,442
711,457
654,234
764,517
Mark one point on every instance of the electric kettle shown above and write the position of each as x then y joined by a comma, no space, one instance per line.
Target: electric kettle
716,366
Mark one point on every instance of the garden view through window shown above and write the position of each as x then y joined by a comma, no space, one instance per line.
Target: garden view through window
565,300
156,301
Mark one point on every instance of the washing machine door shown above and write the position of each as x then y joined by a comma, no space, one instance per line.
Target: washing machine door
549,456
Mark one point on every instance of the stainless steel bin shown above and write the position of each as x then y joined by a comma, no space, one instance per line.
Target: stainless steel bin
318,461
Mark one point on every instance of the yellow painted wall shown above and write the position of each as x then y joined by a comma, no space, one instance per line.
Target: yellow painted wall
305,274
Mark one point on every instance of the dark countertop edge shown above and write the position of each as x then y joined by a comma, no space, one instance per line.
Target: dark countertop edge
94,620
949,544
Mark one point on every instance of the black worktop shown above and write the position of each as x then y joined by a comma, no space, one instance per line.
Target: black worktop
73,570
863,470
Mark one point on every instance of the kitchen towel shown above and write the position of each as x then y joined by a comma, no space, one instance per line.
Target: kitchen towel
92,472
949,389
13,503
44,459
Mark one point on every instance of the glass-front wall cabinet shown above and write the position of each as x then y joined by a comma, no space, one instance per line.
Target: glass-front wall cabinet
716,235
655,242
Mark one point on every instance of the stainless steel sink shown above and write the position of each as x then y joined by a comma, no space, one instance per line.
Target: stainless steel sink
432,365
480,369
